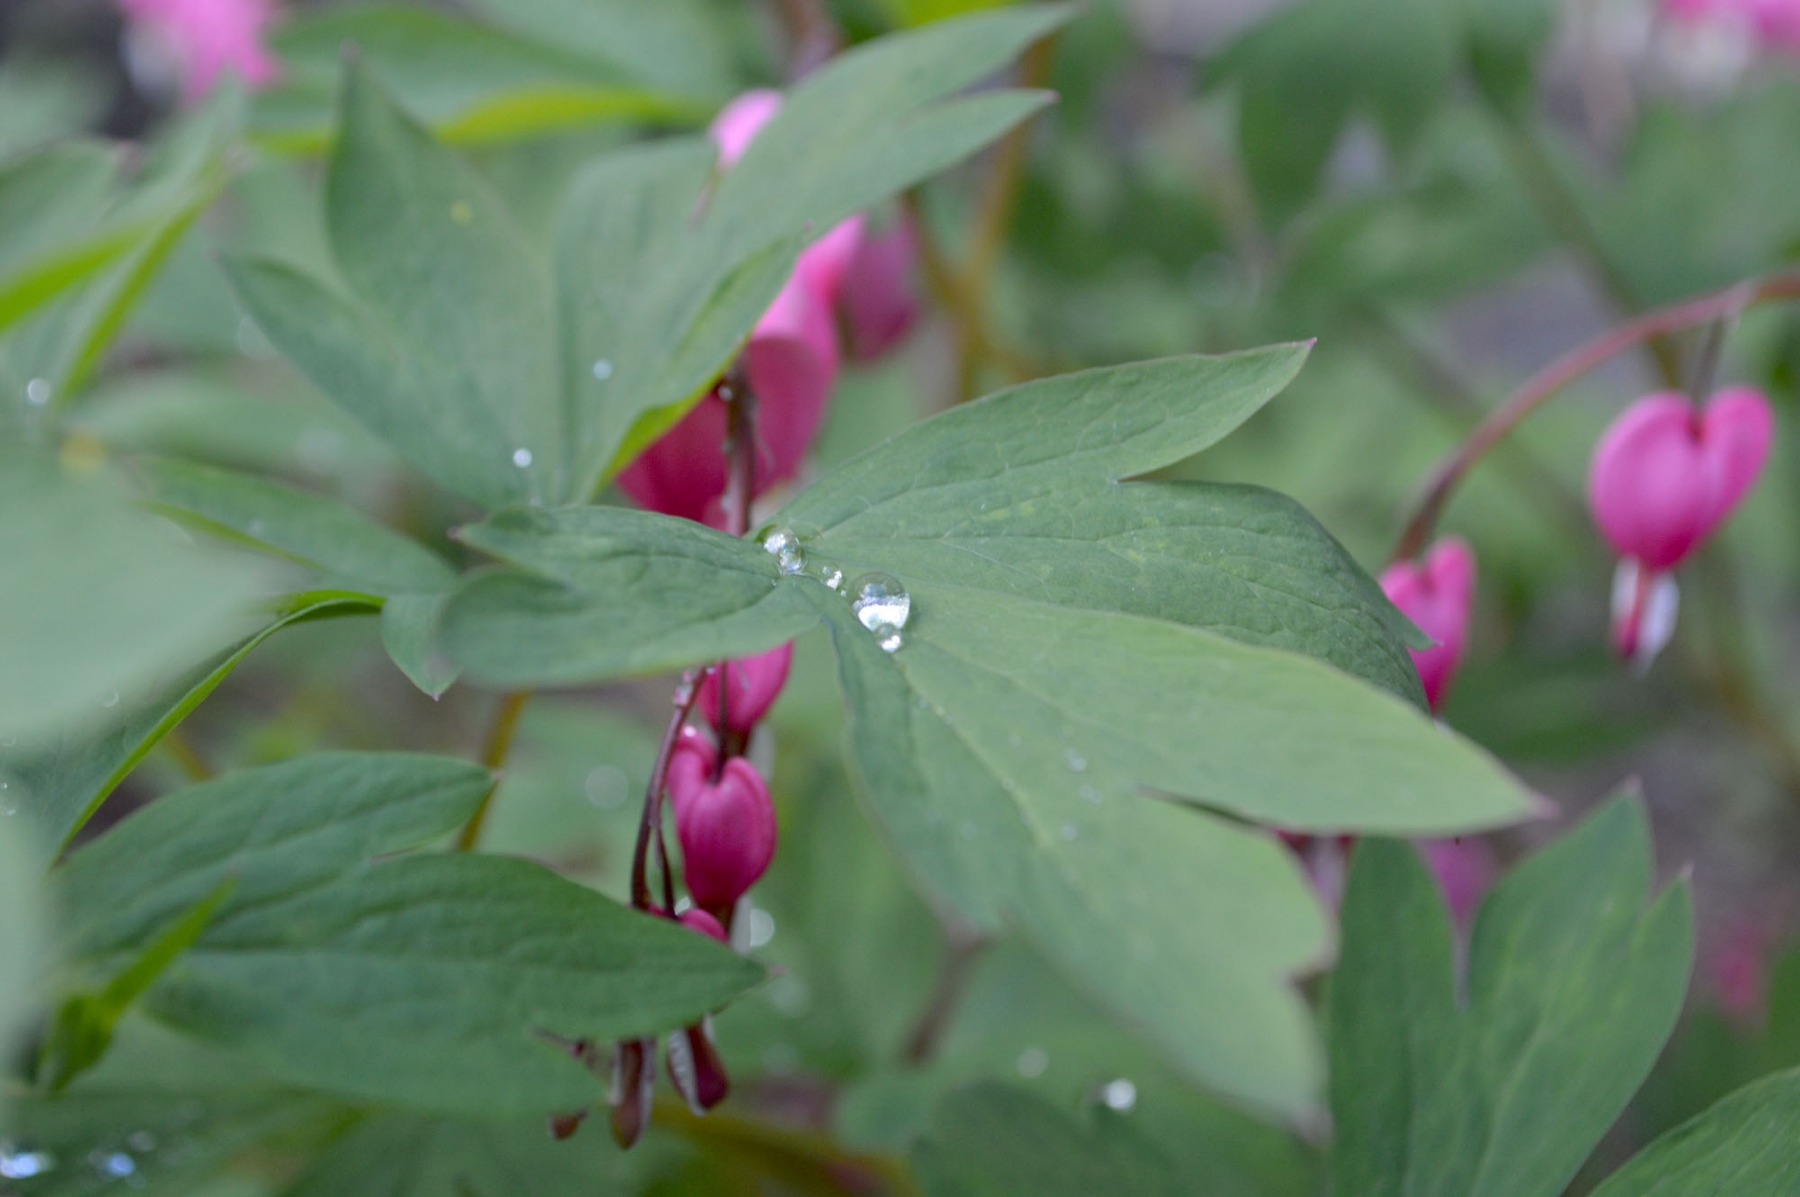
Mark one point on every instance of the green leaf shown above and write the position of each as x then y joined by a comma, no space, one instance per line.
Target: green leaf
427,981
664,305
685,46
1572,988
444,342
965,500
409,633
467,81
83,1027
344,546
66,777
612,593
70,645
1743,1146
397,1155
24,929
1504,40
995,1141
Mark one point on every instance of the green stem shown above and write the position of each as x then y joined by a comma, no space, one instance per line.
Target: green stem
495,746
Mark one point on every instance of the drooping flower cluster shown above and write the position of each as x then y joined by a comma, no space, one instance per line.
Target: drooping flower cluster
204,40
856,277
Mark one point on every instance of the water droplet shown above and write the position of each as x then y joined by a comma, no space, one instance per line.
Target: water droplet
832,576
112,701
1076,762
37,392
790,559
18,1162
521,457
684,691
603,369
879,598
257,527
116,1165
1071,832
762,927
141,1141
888,637
607,787
462,212
1033,1061
1119,1095
1092,795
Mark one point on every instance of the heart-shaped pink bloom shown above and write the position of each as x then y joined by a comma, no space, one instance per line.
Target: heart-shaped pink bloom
1464,869
727,833
790,364
1437,595
1665,473
751,686
691,766
877,301
209,38
738,123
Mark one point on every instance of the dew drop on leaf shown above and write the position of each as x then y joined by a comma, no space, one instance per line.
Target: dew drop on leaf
18,1162
879,598
1032,1062
521,457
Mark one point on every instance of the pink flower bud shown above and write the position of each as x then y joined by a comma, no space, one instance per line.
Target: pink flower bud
691,766
738,123
825,264
1464,869
1665,473
751,686
790,363
207,38
877,300
696,919
727,833
1436,594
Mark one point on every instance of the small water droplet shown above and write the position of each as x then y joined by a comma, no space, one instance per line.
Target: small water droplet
18,1162
141,1141
462,212
762,927
1071,832
111,702
1119,1095
116,1165
607,787
832,576
789,994
1092,795
790,558
888,637
1033,1061
37,392
603,369
879,598
257,527
1076,762
684,691
521,457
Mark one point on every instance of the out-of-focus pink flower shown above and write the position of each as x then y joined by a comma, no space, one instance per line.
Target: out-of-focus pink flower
209,38
727,834
790,363
877,302
1436,594
1464,869
1738,968
1775,23
752,685
738,123
1664,475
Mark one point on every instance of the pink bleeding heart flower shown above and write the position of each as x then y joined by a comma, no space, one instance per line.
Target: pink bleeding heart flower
727,833
1664,475
1436,594
208,38
751,685
790,364
877,302
738,123
696,919
1775,23
692,763
1464,869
